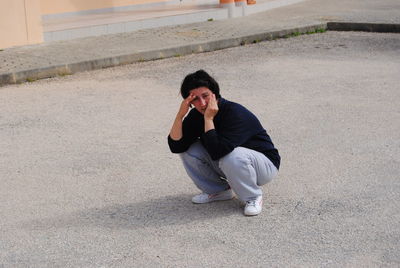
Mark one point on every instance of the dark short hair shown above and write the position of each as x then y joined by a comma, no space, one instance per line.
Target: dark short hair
199,79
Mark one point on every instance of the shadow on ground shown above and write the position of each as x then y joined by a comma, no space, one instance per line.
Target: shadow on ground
168,210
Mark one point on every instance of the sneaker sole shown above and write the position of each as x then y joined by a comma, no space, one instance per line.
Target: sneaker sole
215,200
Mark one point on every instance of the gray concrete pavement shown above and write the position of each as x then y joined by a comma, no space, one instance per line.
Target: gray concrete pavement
87,179
61,58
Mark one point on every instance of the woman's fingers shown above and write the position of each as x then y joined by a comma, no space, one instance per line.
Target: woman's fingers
185,105
212,107
190,98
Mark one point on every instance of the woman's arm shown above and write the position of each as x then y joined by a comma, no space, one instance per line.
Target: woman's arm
176,129
210,113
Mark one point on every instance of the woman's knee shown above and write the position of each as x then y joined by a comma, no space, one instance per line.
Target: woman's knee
244,160
234,159
196,151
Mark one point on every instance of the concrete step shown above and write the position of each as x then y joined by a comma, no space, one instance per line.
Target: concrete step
69,26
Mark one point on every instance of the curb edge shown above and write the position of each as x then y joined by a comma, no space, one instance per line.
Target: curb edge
208,46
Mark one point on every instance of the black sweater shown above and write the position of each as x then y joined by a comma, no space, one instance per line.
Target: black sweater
234,126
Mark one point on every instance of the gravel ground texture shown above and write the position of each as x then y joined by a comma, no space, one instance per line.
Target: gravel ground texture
87,179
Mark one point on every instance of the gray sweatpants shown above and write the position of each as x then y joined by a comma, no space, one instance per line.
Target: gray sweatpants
244,170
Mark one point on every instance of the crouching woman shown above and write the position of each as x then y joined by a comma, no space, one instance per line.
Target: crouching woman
223,146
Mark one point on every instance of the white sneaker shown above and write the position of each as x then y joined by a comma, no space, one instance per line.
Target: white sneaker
253,207
207,198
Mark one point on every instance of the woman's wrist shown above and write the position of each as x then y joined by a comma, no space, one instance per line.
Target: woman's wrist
208,124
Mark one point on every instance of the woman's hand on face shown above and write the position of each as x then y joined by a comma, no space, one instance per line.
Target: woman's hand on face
212,108
185,105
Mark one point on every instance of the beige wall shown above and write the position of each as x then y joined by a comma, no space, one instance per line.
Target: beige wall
20,23
63,6
21,20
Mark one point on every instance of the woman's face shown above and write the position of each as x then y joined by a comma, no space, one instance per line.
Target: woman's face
202,97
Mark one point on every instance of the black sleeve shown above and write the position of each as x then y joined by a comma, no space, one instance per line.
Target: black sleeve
237,125
190,130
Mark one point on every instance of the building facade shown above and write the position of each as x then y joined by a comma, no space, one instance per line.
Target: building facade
21,21
25,22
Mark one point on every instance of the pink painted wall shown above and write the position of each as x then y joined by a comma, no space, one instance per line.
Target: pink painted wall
21,20
63,6
20,23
